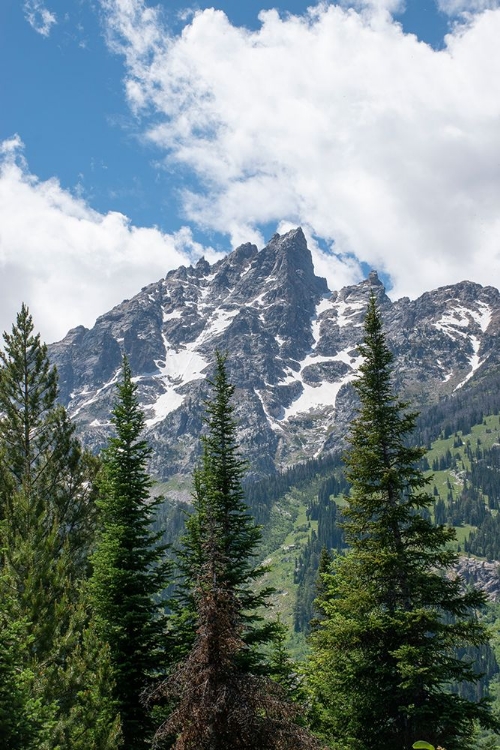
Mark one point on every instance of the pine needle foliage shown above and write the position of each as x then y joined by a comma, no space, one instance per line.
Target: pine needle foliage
23,719
88,717
219,497
129,572
220,697
46,483
47,528
385,646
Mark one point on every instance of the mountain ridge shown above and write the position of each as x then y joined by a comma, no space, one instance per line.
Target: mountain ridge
292,353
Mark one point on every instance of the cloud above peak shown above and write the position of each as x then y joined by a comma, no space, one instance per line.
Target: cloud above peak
338,120
68,262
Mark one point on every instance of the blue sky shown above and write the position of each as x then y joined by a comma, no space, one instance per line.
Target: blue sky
135,136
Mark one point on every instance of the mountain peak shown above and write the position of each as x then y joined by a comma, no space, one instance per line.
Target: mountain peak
373,279
291,242
287,259
293,352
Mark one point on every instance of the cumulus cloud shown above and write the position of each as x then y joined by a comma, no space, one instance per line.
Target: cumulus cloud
384,147
68,262
39,17
459,7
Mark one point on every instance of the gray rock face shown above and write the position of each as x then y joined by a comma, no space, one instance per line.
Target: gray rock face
482,574
291,346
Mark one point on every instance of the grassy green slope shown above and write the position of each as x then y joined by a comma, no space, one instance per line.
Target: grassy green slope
288,529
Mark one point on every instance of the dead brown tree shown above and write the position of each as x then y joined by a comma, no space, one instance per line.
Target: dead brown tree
219,706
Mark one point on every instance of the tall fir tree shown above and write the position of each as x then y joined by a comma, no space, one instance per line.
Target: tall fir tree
219,496
222,701
129,571
46,481
385,648
47,512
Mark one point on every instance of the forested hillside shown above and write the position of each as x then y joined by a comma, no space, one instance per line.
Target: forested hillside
288,612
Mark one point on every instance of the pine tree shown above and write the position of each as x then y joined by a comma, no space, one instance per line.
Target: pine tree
88,717
22,716
46,482
385,650
219,496
41,456
47,511
128,567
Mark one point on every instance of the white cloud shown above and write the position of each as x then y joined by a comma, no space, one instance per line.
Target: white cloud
336,120
67,262
39,17
379,6
459,7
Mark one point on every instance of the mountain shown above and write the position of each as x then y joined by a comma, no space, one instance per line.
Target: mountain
292,354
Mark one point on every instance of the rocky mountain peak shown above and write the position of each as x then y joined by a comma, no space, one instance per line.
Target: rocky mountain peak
283,268
373,279
292,346
288,257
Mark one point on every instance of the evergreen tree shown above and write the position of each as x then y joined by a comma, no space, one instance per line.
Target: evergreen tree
219,704
47,511
88,717
385,650
219,496
22,717
282,668
128,568
46,482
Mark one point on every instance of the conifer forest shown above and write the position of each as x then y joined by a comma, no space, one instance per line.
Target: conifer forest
126,623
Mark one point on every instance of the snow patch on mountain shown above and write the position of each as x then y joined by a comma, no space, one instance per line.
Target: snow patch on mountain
474,361
316,397
220,320
323,394
451,321
174,315
482,316
179,367
183,364
460,317
163,406
346,311
94,398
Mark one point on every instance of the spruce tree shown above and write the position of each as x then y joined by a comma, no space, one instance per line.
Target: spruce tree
129,571
219,496
220,698
46,481
385,648
41,462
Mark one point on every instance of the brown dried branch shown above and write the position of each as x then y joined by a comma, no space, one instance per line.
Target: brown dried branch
218,706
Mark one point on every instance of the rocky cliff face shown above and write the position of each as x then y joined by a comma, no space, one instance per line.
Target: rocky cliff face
292,353
483,574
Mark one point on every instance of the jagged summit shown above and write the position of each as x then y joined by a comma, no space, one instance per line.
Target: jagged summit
373,279
292,352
